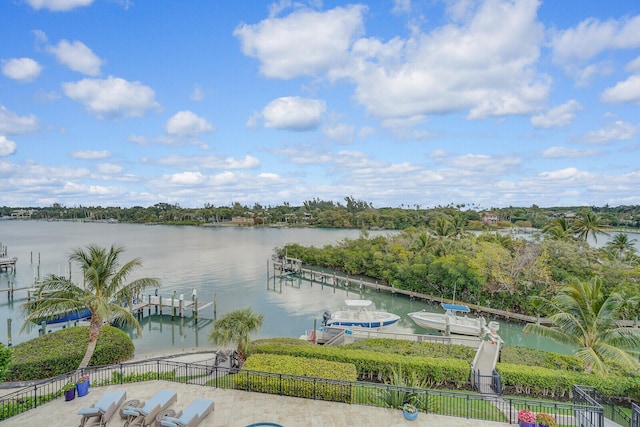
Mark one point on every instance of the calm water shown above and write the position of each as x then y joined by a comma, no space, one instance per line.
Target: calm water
225,264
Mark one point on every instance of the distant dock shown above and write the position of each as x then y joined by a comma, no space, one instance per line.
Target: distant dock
291,266
177,305
7,264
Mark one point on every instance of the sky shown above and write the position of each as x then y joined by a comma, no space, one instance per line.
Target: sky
488,103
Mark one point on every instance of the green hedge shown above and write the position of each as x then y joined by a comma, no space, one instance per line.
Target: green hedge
59,352
297,366
413,348
544,382
437,372
518,355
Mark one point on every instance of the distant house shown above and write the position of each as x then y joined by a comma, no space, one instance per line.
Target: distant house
21,213
490,218
242,220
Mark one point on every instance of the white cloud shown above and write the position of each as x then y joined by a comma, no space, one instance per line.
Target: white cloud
561,115
613,131
626,91
303,43
23,69
209,162
186,123
77,56
90,154
187,178
339,132
11,123
483,64
294,113
566,153
58,5
401,6
112,97
592,36
7,147
633,66
109,169
197,94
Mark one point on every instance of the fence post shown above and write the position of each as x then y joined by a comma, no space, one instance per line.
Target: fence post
35,395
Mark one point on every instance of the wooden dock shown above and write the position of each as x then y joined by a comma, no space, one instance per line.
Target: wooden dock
177,305
7,264
290,266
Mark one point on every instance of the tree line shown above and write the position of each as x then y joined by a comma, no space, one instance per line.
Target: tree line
353,213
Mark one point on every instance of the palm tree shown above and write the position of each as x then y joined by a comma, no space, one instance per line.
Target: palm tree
236,327
584,317
104,289
621,245
588,223
558,229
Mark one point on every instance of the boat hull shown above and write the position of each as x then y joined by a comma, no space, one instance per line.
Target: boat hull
368,324
70,316
460,325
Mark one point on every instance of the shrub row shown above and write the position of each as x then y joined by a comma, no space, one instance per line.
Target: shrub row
449,373
518,355
538,381
62,351
413,348
288,385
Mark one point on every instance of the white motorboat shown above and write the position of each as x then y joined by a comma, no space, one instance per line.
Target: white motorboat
450,322
359,314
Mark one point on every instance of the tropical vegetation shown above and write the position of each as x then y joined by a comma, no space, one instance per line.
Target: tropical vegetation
61,351
105,291
236,327
351,213
583,316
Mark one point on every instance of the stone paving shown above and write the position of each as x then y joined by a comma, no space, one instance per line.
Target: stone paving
235,408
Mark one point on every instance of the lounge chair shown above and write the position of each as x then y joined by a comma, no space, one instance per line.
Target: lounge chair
104,408
191,415
146,414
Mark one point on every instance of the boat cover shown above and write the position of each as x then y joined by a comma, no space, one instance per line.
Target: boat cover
358,302
456,307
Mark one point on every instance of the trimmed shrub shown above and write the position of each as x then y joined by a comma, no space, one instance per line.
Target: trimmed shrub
532,357
62,351
558,384
288,383
373,366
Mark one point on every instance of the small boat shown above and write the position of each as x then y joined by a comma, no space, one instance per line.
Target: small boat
450,322
68,316
358,314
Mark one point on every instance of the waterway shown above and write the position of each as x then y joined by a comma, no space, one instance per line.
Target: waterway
228,265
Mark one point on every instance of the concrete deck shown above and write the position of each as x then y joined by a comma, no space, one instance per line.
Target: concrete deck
235,408
239,409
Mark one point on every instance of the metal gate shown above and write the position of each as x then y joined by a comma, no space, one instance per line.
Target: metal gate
486,384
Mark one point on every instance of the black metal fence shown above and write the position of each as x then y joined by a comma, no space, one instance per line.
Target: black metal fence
456,404
610,409
635,415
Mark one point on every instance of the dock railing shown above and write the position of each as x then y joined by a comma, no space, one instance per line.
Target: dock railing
442,402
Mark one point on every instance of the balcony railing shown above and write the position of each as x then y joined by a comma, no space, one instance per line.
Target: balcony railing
451,403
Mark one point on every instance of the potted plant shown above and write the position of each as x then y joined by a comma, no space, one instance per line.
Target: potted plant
409,411
526,418
545,420
83,385
69,390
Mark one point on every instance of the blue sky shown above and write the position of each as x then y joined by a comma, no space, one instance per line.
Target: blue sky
489,103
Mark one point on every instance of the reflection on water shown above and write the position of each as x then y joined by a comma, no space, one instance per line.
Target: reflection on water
227,265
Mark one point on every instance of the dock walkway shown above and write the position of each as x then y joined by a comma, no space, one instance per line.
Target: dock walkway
291,266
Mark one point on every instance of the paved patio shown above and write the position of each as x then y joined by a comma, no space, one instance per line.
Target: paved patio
235,408
239,409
